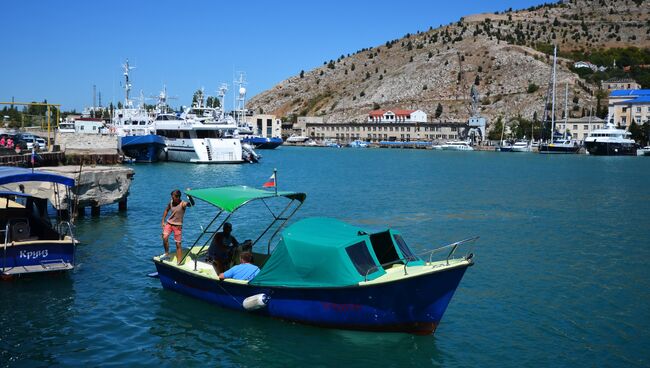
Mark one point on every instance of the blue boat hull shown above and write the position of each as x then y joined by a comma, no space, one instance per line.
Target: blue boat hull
411,305
37,256
143,148
263,143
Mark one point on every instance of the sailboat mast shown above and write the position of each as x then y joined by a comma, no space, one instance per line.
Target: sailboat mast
553,94
566,109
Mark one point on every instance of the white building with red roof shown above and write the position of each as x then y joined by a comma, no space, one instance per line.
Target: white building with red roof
397,116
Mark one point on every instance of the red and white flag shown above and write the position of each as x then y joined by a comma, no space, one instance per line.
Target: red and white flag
270,183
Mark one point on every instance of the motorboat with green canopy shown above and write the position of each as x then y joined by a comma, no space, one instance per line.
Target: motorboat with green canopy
320,271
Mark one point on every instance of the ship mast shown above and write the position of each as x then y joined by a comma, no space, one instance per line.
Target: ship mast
566,108
127,84
240,108
553,98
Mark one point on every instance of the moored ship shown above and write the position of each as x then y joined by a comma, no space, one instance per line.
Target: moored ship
610,141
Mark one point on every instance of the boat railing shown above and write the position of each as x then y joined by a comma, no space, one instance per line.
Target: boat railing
62,227
4,255
406,260
453,246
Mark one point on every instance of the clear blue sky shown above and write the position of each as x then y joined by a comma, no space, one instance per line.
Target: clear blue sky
57,50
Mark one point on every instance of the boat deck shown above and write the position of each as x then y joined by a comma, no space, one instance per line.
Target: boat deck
45,266
394,273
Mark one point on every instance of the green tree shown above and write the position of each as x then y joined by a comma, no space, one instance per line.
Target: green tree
438,110
495,132
532,88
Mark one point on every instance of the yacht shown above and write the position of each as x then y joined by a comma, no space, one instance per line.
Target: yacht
645,151
358,144
559,144
521,146
247,133
297,139
190,140
456,146
610,141
135,128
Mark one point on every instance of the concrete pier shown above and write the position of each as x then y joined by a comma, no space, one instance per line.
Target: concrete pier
95,187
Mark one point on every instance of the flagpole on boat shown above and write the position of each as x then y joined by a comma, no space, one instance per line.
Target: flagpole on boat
275,175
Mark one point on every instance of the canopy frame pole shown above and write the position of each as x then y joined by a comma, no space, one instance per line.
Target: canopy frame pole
269,208
268,245
275,219
199,238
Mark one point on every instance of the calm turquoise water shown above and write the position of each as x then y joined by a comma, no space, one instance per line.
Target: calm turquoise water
561,275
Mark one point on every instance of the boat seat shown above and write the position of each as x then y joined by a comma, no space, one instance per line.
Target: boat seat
20,230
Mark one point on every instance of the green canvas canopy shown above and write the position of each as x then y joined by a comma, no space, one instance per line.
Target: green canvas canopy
233,197
320,252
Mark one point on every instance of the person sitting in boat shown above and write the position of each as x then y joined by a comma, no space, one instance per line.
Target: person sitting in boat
221,248
10,143
245,270
174,223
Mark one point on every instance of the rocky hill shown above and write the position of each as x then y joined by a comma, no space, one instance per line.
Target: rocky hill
505,54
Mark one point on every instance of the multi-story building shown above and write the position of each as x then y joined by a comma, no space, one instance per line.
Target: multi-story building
628,105
580,127
618,83
265,125
397,116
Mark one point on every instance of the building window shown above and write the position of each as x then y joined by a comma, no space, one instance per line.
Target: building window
575,127
638,109
585,127
624,109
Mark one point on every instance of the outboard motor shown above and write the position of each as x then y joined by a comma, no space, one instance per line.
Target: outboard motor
249,154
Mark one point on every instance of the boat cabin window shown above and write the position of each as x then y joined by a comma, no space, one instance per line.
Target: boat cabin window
406,251
382,244
361,258
207,134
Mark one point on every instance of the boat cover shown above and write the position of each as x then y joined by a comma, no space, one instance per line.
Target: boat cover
312,253
233,197
10,175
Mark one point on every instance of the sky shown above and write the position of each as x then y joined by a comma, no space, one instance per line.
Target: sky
57,50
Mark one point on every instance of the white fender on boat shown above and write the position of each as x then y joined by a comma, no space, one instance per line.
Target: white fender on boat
255,302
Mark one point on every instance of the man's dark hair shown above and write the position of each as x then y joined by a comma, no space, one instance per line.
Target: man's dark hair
227,225
246,256
176,193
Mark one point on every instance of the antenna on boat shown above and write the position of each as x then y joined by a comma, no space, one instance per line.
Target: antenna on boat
566,108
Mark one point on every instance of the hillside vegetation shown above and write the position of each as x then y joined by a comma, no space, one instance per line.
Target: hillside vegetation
505,54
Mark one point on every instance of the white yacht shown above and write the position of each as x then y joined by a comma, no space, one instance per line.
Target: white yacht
610,141
297,139
521,146
456,146
196,142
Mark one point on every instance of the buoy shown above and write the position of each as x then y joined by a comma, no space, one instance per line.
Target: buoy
255,302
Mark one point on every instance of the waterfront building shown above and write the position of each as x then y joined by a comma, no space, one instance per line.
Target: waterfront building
628,105
265,125
397,116
619,83
580,127
380,125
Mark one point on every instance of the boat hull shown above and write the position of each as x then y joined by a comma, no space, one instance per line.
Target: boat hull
558,149
263,143
203,151
411,305
611,149
143,148
37,256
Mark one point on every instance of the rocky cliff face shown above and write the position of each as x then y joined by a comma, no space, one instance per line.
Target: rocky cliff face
496,52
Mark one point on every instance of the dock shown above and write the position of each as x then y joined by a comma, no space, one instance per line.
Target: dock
95,187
